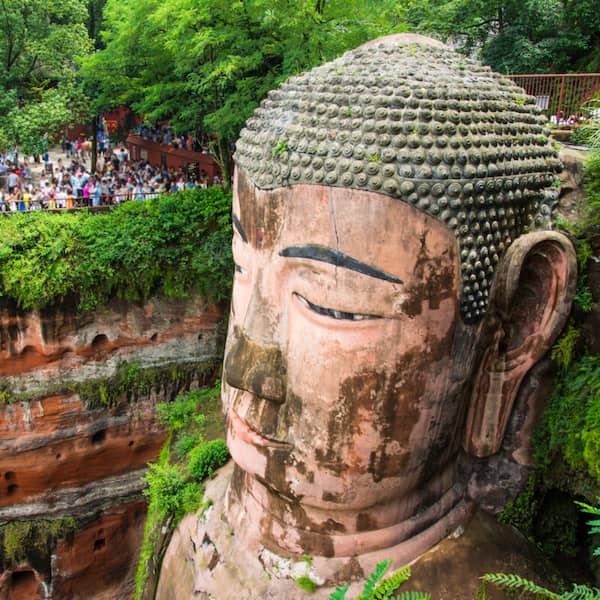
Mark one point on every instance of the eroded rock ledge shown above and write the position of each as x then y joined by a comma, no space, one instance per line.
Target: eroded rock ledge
77,426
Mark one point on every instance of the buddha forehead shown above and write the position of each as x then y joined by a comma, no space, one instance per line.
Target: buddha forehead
410,119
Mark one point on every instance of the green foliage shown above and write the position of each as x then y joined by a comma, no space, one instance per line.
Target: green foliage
305,583
564,349
521,511
583,295
571,424
339,593
178,414
593,523
206,66
507,581
175,488
374,578
379,587
170,492
280,148
204,459
21,538
171,245
386,587
514,583
514,36
41,42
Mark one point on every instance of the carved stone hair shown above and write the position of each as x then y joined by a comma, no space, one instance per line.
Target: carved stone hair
416,121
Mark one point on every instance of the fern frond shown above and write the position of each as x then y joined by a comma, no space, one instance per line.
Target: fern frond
373,579
587,508
594,511
515,582
339,593
386,588
482,593
413,595
582,592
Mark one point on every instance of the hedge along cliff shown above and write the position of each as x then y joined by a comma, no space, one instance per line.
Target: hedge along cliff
101,317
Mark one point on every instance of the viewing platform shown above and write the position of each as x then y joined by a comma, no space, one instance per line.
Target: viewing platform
166,155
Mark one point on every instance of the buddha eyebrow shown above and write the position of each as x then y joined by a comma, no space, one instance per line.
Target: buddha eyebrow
337,258
240,229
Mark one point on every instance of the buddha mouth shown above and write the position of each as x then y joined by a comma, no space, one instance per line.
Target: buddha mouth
241,429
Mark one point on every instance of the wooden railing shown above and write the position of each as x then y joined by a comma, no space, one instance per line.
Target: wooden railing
562,97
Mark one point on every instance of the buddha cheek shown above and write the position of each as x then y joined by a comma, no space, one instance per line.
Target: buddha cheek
338,403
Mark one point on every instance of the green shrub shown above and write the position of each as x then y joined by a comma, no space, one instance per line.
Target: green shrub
206,458
170,492
306,584
170,245
20,538
178,414
571,425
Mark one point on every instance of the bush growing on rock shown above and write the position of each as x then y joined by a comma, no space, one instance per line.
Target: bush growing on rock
170,245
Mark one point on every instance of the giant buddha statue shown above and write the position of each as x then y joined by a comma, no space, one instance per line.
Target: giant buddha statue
396,278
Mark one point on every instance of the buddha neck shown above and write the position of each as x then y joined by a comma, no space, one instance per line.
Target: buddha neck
409,524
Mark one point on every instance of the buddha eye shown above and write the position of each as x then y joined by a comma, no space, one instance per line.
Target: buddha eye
240,270
334,314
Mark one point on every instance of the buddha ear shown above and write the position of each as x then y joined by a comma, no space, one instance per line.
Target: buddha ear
529,304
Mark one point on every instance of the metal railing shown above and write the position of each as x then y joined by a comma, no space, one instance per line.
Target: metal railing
107,202
562,97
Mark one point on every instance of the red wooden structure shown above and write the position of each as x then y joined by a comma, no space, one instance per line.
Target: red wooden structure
562,97
161,154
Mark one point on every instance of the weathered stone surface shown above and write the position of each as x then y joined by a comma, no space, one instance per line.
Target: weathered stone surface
39,349
570,201
416,121
98,561
101,559
62,453
207,558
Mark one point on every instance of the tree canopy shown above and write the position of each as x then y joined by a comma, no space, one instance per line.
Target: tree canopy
207,64
40,44
516,36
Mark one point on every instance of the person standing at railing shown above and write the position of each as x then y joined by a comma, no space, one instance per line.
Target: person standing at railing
104,192
95,193
13,180
86,193
70,198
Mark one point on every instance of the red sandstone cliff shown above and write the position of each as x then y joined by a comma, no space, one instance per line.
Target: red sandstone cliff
77,427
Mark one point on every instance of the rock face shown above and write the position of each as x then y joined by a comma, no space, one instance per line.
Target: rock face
77,427
206,560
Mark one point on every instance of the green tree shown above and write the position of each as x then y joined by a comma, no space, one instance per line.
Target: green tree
516,36
206,64
40,44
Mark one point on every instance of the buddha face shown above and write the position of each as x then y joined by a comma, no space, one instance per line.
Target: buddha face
341,383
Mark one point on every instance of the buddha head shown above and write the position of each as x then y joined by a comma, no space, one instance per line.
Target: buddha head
395,281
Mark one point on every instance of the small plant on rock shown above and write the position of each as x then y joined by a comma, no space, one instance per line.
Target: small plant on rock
379,587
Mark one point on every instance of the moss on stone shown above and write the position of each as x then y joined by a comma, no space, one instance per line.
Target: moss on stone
32,541
130,383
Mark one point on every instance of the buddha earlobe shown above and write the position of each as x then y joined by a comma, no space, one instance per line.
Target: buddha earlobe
529,305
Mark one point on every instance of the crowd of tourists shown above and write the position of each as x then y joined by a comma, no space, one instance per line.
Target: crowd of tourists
164,134
70,184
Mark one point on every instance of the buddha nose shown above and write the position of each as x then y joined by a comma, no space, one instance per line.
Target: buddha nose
255,368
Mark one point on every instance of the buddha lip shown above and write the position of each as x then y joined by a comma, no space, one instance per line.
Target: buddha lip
242,429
